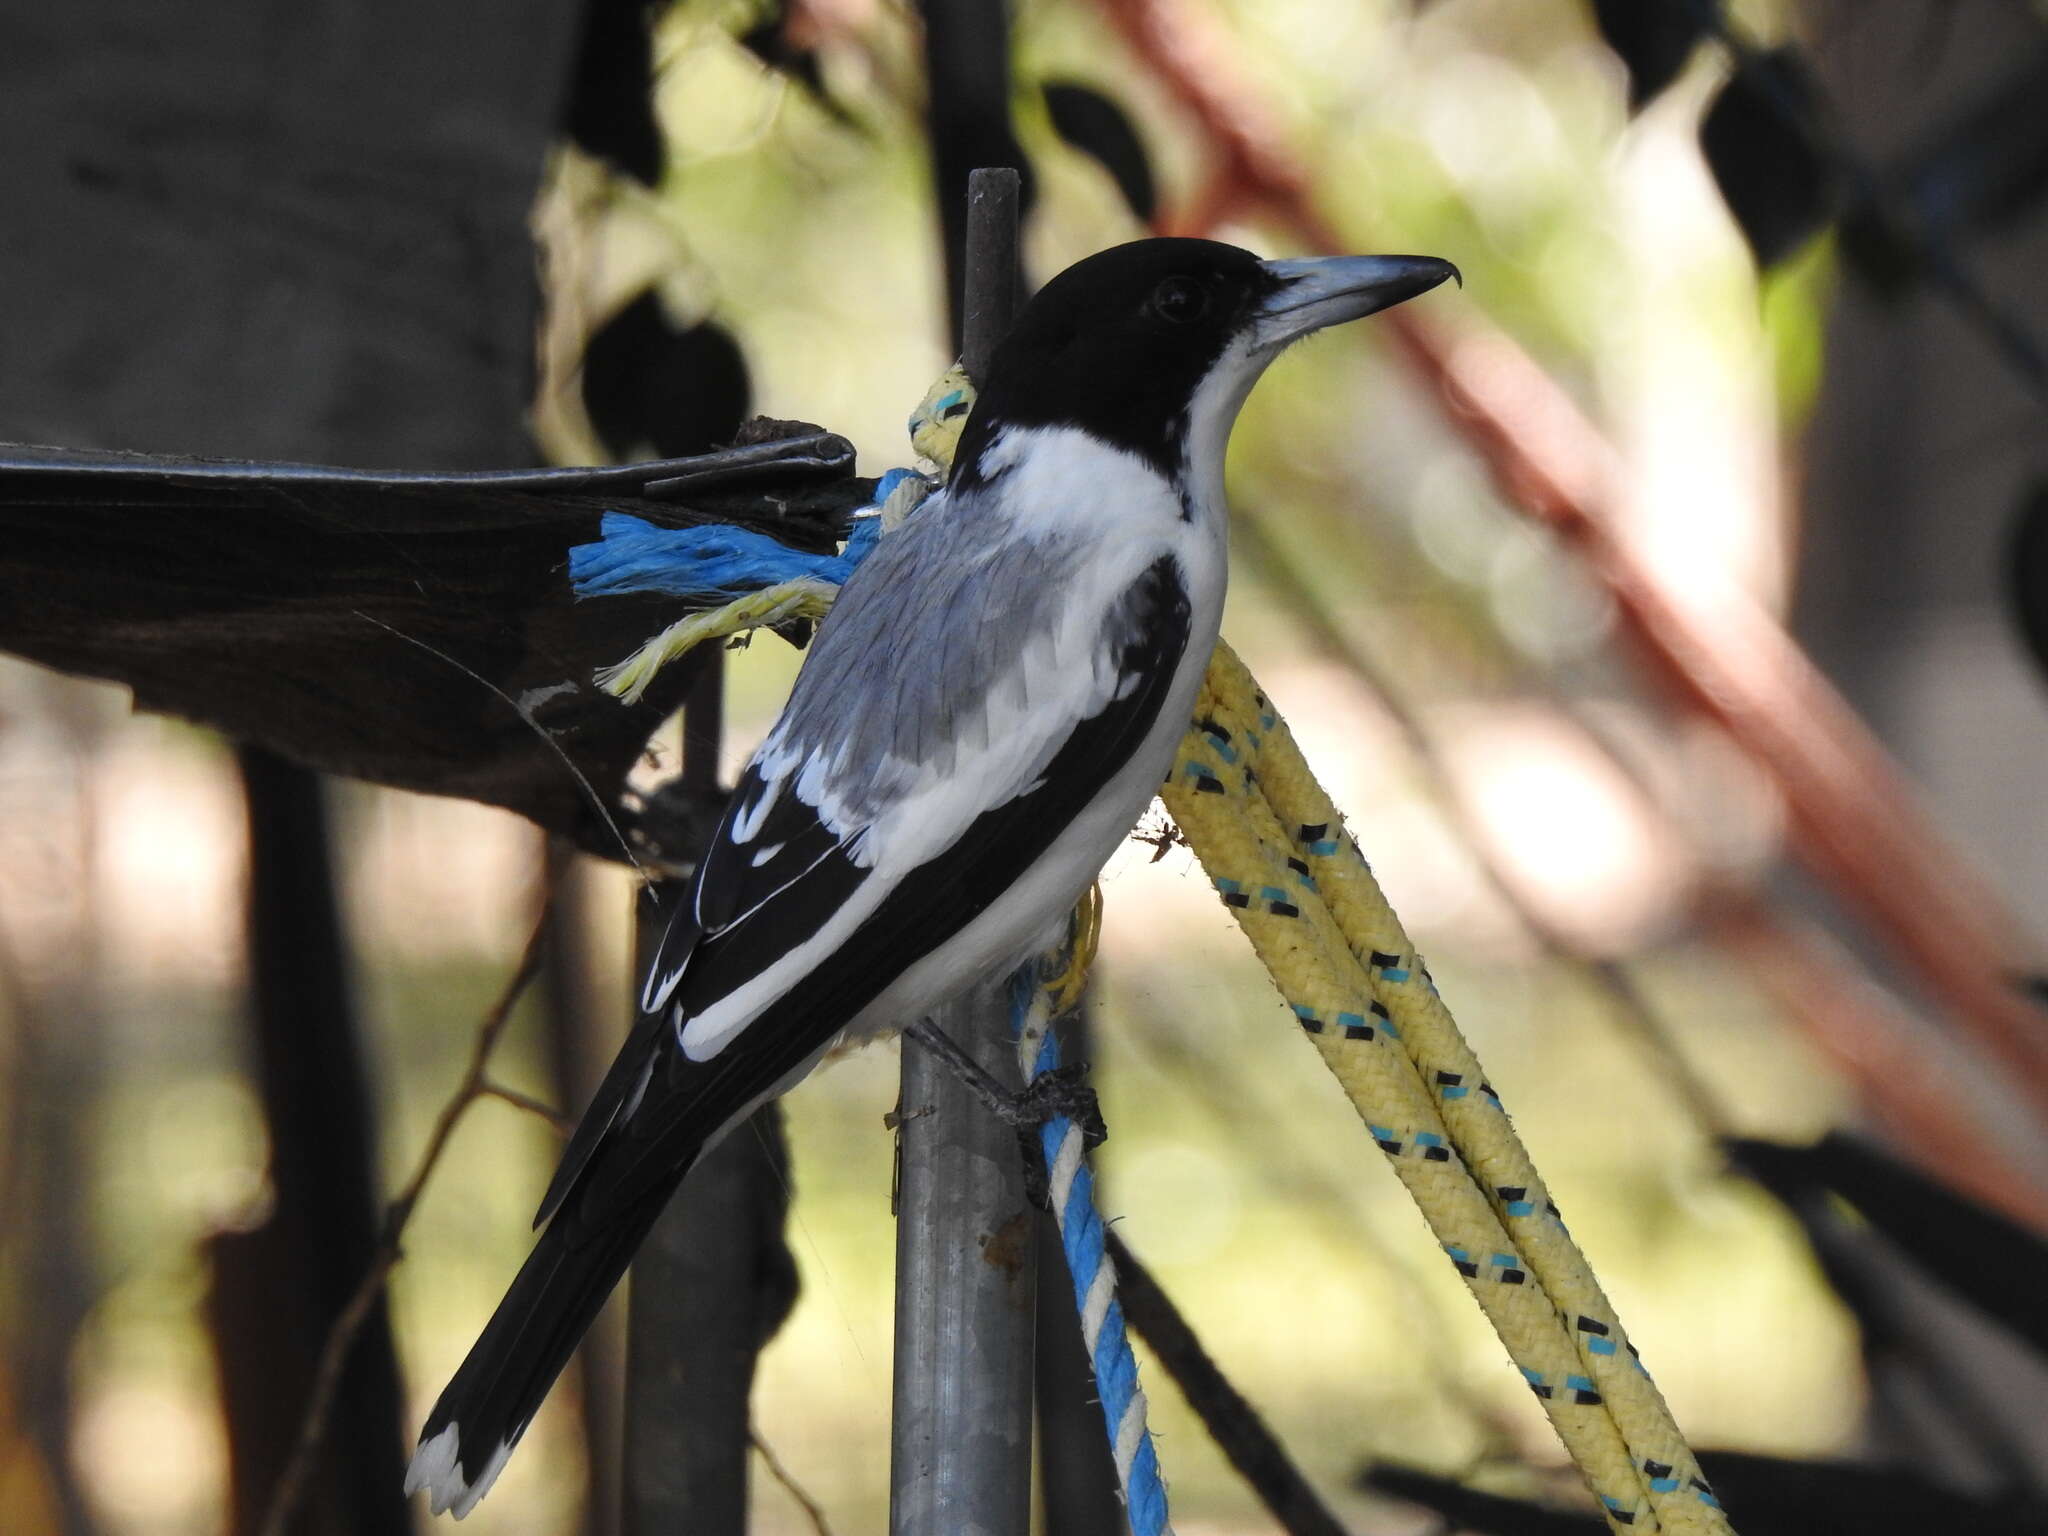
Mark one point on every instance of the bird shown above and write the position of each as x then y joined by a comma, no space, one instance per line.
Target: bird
981,718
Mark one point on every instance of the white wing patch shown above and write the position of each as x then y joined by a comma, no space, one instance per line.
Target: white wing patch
661,985
748,820
707,1033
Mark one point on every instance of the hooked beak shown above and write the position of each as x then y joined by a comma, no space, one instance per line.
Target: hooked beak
1332,289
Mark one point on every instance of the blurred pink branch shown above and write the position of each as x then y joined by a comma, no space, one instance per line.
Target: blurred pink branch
1852,821
1909,1090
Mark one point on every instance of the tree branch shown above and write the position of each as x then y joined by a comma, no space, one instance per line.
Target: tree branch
474,1085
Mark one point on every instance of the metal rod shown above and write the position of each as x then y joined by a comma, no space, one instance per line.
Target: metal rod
960,1452
709,1288
991,267
967,119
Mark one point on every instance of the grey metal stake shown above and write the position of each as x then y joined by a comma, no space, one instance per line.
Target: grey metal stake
960,1451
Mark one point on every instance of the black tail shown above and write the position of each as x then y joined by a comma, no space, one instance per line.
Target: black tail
523,1348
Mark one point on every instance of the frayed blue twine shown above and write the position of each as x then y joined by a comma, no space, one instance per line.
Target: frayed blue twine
711,563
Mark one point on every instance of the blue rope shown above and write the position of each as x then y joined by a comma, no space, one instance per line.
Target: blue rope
1082,1236
711,563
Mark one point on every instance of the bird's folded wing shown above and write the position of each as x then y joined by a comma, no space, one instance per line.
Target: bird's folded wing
800,920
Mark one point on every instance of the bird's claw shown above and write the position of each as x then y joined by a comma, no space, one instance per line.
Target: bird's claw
1063,1091
1053,1095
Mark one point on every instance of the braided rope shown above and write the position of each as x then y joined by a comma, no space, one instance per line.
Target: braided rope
1480,1125
1275,847
1071,1191
801,597
1233,833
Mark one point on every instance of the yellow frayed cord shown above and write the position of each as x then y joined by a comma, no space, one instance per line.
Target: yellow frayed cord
806,597
1064,990
941,416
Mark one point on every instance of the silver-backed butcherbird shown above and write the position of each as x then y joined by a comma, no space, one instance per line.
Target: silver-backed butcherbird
982,717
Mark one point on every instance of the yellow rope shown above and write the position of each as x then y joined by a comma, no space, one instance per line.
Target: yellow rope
1274,845
1079,952
805,597
941,416
1480,1127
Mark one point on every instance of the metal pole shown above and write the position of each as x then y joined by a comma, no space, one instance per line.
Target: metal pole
991,267
960,1452
965,1275
967,123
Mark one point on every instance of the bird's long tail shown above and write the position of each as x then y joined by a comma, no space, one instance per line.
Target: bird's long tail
494,1395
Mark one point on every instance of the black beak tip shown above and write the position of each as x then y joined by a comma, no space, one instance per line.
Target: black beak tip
1411,277
1431,272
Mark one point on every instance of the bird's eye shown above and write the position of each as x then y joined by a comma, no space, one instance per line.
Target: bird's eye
1179,300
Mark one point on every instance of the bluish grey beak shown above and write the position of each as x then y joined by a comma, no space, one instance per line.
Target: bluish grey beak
1329,290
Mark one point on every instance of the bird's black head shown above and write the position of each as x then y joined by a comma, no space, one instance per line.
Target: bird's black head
1139,343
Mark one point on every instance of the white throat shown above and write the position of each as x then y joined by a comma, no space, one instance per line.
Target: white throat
1211,415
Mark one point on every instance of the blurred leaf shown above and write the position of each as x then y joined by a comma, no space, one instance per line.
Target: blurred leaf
1994,1264
1980,172
648,381
1758,140
768,41
1880,249
1654,38
610,111
1775,1496
2027,571
1099,128
1990,167
1843,1252
1765,1496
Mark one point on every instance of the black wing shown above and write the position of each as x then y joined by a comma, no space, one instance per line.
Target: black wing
750,909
